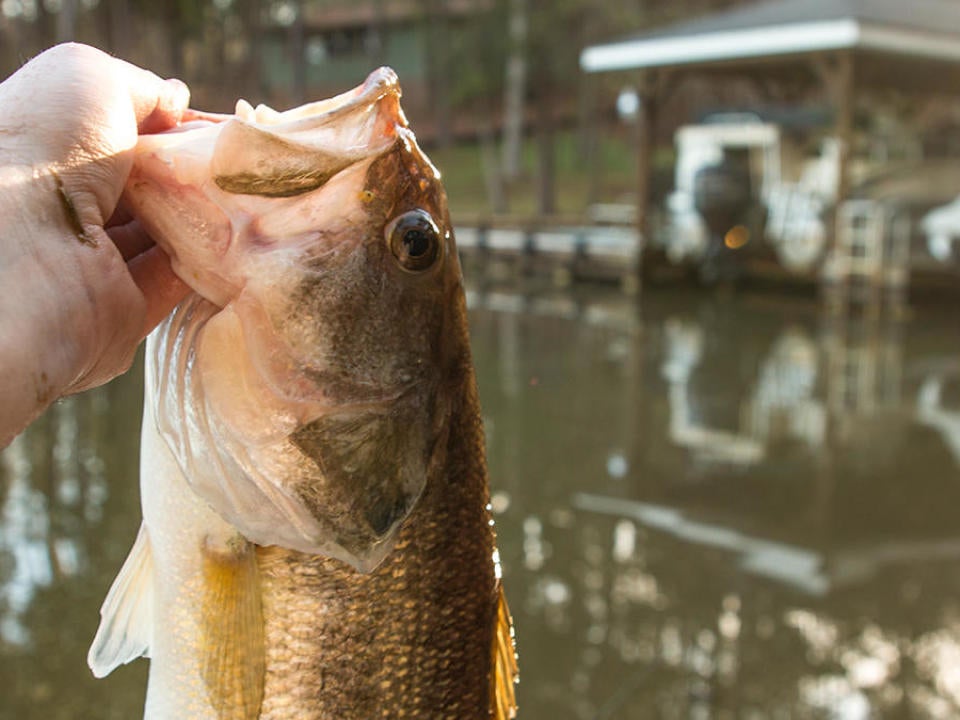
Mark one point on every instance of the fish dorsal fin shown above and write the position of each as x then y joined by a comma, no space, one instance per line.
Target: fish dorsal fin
504,672
233,654
126,617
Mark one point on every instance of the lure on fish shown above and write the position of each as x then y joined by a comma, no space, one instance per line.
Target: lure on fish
316,539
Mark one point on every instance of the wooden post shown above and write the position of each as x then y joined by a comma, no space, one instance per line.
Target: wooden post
843,98
297,34
588,140
836,73
646,121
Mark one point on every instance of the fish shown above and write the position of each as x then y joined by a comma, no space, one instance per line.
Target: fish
317,539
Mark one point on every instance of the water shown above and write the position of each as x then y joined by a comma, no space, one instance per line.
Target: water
708,507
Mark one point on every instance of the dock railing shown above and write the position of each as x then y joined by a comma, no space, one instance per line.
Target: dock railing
564,249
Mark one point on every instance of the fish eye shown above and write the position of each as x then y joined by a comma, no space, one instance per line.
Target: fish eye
414,240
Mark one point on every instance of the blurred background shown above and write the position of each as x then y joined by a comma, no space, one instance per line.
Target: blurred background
712,266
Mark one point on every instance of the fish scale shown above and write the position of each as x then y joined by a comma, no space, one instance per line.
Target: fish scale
428,608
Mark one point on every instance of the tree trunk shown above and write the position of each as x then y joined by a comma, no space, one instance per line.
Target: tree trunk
650,99
66,21
588,137
253,77
10,51
493,178
215,67
442,80
297,56
436,33
586,98
174,34
117,27
516,82
44,27
377,40
546,155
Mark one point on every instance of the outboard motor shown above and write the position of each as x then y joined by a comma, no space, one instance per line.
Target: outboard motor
723,198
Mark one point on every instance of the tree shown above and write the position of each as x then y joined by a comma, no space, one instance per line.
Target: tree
516,87
436,27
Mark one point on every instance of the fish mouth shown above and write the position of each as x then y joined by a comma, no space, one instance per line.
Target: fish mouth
381,83
262,152
381,89
256,159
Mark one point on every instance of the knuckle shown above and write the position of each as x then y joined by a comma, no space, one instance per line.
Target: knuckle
73,52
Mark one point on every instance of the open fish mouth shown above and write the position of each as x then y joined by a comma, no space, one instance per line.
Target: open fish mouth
222,185
286,154
380,83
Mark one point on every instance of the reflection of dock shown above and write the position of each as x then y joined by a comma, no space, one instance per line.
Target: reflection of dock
613,311
736,502
933,409
778,465
808,569
811,385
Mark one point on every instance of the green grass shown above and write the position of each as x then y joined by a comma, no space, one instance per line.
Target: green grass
463,173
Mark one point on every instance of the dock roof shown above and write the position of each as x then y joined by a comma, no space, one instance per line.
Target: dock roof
923,29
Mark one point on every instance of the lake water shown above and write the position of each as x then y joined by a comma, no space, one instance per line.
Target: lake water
708,507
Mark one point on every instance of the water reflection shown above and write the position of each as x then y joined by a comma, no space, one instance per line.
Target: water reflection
709,507
67,492
727,507
43,524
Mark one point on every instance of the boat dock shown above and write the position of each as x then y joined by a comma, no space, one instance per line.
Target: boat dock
563,253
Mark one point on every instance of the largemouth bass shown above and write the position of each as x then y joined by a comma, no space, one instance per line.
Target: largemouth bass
316,538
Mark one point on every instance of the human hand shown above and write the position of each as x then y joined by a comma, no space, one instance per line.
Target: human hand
82,284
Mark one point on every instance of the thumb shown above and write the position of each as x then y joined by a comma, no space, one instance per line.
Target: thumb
159,106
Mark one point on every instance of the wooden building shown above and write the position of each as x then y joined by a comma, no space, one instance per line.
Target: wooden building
849,53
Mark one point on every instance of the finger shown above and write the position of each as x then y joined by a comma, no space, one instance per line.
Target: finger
170,102
131,239
158,104
162,289
169,109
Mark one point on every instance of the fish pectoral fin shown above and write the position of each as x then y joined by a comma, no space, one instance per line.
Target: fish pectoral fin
504,672
233,654
126,627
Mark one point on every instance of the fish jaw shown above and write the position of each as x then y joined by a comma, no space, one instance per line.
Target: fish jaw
199,189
